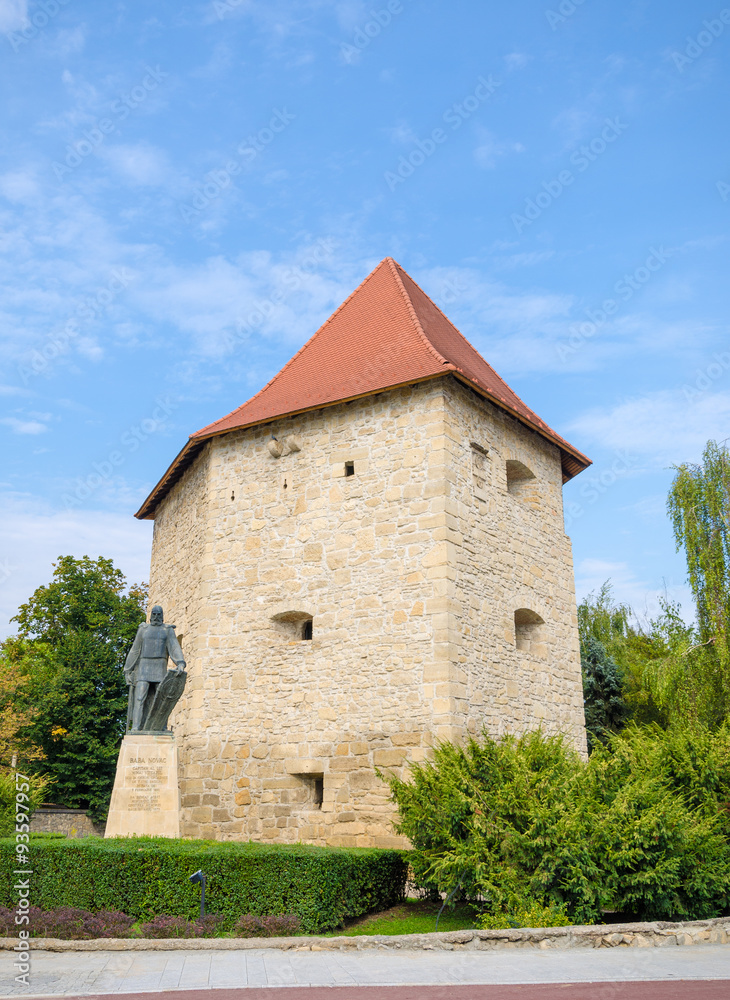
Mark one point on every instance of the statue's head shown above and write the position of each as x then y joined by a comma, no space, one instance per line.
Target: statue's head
156,617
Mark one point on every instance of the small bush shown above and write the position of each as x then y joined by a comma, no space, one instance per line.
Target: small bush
534,915
12,811
8,927
180,927
251,926
68,923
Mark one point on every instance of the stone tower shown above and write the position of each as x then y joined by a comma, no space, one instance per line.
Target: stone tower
366,557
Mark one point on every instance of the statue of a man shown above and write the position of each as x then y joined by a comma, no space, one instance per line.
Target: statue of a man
146,664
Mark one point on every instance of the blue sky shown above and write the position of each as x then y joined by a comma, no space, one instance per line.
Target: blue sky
555,175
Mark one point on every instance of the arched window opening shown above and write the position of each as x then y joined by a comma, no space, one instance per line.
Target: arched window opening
528,629
295,626
520,480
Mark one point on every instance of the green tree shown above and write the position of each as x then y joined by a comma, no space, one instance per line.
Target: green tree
600,617
606,710
631,646
73,635
684,677
699,507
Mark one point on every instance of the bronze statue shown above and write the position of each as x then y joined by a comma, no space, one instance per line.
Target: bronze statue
153,689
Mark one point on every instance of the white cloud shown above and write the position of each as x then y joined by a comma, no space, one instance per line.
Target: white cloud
402,134
514,330
19,426
666,426
67,41
139,164
32,536
223,303
13,14
537,330
643,597
62,258
490,149
516,60
18,185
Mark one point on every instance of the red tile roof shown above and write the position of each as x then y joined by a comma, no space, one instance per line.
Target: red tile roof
386,334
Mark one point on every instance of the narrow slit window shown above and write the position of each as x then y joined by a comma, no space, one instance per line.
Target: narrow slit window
349,468
318,796
480,470
307,629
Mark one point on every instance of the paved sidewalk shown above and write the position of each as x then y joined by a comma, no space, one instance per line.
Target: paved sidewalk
87,974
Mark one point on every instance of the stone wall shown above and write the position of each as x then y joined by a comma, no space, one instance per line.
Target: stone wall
371,532
510,554
657,934
70,822
178,553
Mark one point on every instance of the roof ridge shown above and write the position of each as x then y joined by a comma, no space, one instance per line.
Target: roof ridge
294,356
396,269
469,344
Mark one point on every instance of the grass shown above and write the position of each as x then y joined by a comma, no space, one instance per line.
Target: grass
411,917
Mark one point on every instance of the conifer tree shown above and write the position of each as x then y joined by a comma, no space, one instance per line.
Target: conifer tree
606,710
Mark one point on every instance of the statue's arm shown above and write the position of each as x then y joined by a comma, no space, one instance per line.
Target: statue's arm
133,655
174,650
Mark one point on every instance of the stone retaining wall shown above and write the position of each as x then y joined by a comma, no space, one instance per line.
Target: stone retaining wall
71,822
657,934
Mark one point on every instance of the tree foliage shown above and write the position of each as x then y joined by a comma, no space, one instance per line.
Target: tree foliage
602,619
35,791
85,596
606,710
16,714
699,507
535,833
73,635
684,676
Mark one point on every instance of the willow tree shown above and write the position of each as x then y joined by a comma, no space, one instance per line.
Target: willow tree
699,507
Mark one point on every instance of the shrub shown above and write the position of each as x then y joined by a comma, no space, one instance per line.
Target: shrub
148,877
68,923
250,925
174,927
496,817
534,915
659,802
535,833
12,811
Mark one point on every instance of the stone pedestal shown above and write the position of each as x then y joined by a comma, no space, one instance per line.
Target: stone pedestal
145,800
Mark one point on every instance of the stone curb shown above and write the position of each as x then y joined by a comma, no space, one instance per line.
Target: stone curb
640,935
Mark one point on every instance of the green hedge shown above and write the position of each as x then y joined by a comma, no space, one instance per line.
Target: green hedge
145,877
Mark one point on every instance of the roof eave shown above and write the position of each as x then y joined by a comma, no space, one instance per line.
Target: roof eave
173,473
184,458
572,461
